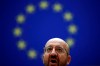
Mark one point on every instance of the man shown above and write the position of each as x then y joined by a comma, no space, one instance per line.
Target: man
56,53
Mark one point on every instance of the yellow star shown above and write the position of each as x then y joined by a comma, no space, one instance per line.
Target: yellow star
72,29
32,54
17,31
30,8
68,16
21,44
20,18
57,7
43,4
70,42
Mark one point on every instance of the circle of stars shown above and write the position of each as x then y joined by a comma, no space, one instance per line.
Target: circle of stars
57,7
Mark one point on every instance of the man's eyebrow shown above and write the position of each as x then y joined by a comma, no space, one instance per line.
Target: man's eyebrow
59,46
55,46
47,46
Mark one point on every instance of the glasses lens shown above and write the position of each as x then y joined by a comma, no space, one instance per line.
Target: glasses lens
57,49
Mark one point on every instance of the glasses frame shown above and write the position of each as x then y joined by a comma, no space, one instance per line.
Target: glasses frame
45,50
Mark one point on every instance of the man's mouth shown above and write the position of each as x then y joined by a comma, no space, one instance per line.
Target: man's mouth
53,62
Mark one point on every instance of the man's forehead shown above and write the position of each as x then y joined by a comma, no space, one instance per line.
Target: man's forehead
55,42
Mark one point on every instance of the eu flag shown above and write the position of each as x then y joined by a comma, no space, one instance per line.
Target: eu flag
26,25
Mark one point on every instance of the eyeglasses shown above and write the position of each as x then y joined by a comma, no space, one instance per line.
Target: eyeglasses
58,49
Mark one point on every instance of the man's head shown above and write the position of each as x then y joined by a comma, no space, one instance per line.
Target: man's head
56,53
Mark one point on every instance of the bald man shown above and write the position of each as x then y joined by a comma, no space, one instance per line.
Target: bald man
56,53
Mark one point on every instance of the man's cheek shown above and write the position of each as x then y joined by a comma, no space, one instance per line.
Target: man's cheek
46,58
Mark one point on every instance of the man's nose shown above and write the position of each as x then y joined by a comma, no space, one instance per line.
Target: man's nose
53,52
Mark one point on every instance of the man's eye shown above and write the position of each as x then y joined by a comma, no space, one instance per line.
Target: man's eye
59,50
49,49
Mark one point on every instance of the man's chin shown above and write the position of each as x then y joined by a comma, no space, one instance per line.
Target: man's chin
53,64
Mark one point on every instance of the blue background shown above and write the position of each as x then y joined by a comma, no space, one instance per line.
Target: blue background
46,24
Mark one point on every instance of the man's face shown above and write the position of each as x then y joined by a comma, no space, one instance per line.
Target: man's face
55,54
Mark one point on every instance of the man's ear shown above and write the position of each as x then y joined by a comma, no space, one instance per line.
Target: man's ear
68,59
43,58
